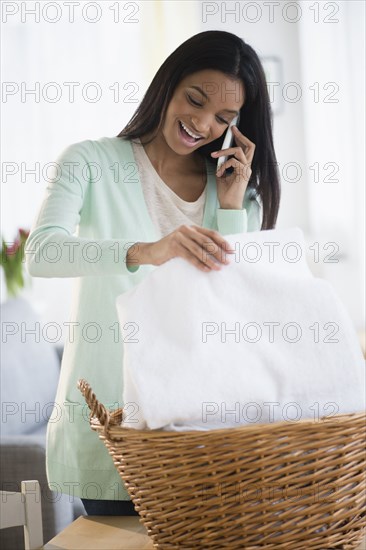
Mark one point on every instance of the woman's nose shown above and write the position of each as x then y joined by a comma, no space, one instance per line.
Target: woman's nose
202,125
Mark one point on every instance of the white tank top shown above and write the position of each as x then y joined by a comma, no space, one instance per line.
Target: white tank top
167,210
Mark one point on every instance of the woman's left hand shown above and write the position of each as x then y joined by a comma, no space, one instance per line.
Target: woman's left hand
231,188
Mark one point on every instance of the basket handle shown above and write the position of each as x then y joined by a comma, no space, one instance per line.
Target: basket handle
96,408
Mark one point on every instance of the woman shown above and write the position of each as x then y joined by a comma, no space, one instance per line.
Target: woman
139,199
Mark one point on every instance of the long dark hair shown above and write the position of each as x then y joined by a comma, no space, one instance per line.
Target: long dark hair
225,52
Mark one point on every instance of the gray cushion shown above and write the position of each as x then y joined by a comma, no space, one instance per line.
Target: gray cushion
29,369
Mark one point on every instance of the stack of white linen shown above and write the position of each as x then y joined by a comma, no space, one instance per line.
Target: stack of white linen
261,340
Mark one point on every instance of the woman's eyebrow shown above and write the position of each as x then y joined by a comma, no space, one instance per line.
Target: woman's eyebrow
206,96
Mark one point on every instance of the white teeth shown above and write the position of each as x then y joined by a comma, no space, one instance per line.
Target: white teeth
189,131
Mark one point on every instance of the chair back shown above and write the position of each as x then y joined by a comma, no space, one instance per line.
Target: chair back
24,508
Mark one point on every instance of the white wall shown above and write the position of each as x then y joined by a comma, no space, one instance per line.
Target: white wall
335,133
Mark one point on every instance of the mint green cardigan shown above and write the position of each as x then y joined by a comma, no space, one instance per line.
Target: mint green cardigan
93,211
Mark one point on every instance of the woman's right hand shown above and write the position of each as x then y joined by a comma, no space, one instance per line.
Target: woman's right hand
196,244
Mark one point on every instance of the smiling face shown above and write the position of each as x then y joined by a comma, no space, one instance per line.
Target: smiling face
203,105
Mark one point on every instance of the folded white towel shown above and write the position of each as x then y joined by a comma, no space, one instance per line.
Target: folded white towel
261,340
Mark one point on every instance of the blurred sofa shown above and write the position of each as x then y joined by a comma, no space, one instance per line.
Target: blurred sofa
30,366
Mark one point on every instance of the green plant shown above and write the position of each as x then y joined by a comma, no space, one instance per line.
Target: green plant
12,256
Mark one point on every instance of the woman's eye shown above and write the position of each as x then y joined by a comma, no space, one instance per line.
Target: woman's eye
193,101
223,121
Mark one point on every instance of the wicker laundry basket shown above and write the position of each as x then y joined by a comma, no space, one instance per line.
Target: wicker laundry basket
286,485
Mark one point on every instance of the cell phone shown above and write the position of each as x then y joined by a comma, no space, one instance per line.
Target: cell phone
228,141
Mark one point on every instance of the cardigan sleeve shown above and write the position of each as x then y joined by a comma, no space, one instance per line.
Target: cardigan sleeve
52,248
240,221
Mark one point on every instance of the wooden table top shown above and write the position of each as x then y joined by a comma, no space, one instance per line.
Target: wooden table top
112,532
102,532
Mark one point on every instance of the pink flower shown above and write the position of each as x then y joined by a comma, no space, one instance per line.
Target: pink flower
13,249
24,233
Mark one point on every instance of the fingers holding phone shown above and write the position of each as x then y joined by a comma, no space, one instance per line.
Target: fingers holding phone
231,187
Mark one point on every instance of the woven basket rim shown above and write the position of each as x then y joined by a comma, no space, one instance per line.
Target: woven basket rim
248,428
